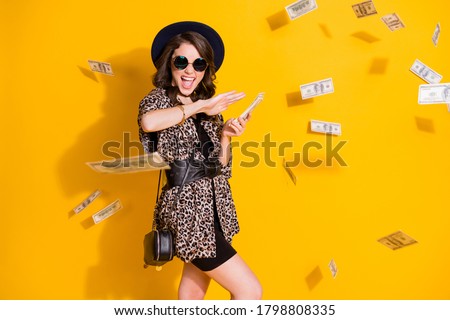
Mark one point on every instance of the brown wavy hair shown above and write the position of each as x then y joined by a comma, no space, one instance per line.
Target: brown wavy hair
163,76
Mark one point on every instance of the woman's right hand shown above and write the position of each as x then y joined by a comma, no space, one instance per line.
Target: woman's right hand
220,103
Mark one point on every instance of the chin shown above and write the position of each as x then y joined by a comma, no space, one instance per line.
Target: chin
186,92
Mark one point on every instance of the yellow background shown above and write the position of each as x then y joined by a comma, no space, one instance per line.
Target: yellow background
56,115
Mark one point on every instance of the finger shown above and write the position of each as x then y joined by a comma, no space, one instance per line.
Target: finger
238,96
229,122
236,121
237,128
233,99
228,94
242,121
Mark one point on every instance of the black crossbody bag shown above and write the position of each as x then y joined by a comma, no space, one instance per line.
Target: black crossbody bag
159,244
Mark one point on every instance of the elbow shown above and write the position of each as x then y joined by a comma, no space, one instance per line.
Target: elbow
147,124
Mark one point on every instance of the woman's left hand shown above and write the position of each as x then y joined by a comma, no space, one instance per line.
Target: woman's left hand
234,127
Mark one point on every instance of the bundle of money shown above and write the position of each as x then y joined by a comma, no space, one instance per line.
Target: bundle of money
299,8
434,93
326,127
101,67
437,32
424,72
317,88
393,21
397,240
364,9
146,162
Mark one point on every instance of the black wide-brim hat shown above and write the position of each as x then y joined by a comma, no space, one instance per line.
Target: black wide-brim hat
174,29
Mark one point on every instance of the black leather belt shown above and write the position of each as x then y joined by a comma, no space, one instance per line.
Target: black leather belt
187,171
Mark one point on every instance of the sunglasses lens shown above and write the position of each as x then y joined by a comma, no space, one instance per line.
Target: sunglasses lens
180,62
200,64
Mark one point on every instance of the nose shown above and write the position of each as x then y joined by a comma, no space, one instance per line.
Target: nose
189,69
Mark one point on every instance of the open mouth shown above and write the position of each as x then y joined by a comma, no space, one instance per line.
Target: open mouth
187,82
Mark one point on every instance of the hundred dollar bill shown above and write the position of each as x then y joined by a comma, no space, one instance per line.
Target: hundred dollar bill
364,9
333,268
425,72
397,240
393,21
434,93
437,32
318,88
326,127
87,202
102,67
146,162
107,211
289,171
300,8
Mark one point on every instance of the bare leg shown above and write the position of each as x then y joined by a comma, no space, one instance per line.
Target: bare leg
193,284
235,276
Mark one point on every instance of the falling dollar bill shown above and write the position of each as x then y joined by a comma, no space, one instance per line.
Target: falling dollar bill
434,93
102,67
317,88
425,72
333,268
364,9
107,211
300,8
437,32
326,127
289,171
397,240
87,201
147,162
393,21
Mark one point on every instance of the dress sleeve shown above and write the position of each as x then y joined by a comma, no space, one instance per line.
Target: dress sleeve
155,100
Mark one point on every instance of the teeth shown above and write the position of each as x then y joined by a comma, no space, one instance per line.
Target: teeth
187,79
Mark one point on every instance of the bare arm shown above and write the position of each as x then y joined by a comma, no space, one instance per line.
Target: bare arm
157,120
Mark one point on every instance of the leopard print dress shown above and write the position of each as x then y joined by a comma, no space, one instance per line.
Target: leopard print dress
192,220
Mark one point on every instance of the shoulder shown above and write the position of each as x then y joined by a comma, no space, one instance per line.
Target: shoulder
155,99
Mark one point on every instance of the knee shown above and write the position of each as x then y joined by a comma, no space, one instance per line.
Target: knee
187,292
250,292
256,292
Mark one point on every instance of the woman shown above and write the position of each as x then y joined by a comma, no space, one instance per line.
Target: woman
181,119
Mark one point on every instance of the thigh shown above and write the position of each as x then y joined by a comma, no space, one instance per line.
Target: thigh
237,277
194,282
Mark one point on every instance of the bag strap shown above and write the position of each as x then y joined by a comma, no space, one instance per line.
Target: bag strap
157,197
159,184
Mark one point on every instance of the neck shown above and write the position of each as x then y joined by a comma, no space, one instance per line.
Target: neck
184,99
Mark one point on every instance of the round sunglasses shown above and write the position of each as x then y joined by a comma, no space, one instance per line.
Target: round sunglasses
181,63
